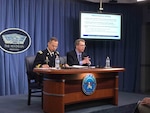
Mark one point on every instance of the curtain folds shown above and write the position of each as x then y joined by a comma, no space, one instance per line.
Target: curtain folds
43,19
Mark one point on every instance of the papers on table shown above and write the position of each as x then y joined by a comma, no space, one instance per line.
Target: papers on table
80,67
53,68
70,67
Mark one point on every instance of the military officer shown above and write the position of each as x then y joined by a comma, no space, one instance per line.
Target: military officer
46,58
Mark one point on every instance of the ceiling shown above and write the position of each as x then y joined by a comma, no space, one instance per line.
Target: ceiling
118,1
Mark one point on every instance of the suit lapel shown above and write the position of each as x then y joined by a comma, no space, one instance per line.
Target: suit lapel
75,57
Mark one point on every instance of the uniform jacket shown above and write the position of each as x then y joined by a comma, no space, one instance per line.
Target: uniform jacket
44,57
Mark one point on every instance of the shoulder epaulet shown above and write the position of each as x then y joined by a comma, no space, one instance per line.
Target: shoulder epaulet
40,52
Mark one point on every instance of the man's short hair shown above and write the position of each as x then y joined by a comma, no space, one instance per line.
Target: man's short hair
79,40
53,39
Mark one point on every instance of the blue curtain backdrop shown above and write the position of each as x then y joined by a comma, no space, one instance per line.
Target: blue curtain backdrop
43,19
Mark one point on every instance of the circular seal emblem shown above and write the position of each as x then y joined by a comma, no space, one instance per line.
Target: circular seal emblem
14,40
89,84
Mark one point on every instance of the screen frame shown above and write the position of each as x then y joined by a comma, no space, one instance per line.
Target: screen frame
106,13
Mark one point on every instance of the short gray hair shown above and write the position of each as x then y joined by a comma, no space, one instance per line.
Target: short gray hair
78,41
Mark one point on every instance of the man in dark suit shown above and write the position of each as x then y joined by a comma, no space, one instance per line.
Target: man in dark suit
78,56
46,58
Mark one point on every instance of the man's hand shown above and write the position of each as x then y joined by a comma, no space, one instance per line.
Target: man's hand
86,60
45,66
146,101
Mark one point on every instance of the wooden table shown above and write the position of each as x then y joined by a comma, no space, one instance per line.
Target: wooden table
63,87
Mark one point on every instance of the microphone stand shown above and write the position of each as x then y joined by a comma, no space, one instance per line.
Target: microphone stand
101,7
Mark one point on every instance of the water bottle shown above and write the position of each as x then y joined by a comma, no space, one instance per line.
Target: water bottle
107,62
57,62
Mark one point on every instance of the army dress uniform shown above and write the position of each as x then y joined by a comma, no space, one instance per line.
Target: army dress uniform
44,57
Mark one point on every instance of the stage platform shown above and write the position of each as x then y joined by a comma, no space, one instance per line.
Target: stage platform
18,104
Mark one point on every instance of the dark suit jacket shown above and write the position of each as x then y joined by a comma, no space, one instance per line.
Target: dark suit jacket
72,58
41,59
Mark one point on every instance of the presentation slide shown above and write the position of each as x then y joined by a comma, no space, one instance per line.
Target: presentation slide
100,26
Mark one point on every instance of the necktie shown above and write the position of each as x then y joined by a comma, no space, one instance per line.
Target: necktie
80,58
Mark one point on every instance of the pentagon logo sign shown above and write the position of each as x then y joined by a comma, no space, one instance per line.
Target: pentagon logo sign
14,40
89,84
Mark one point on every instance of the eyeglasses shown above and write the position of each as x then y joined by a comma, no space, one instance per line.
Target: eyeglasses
54,46
82,45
